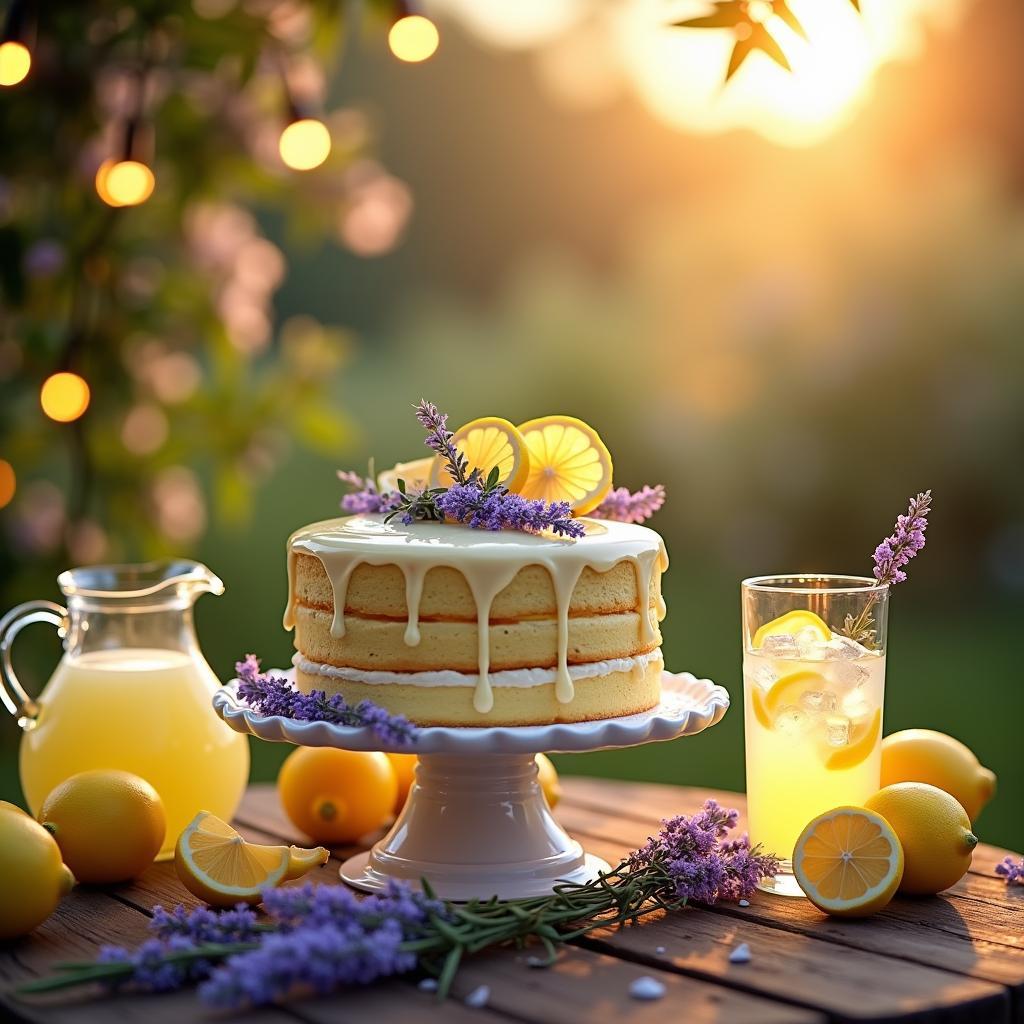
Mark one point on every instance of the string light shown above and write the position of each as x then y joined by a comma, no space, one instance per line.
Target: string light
15,62
64,397
305,144
8,482
124,182
413,38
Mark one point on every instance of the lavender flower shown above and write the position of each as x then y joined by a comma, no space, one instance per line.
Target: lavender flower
365,497
439,440
274,695
205,925
1011,871
312,905
496,509
625,506
158,965
702,865
318,959
906,540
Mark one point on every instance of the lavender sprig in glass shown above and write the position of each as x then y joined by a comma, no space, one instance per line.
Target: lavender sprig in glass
890,557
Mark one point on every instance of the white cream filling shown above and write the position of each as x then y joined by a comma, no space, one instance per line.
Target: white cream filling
521,677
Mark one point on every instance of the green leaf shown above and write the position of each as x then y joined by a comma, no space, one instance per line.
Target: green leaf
492,479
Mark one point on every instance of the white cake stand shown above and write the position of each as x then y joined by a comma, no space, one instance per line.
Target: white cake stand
476,823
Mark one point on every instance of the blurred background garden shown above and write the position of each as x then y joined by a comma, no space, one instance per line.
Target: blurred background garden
794,299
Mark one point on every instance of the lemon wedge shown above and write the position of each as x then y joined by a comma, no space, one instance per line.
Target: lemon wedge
415,474
849,862
568,462
790,624
487,443
216,864
865,736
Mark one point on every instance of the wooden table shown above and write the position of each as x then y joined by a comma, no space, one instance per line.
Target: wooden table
958,957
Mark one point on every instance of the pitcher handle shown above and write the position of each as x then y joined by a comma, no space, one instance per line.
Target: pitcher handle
12,693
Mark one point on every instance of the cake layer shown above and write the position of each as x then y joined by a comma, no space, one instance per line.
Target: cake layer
380,591
432,596
621,691
533,643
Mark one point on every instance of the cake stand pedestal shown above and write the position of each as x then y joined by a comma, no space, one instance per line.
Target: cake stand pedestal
476,823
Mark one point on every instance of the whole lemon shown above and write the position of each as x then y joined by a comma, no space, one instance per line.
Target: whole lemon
934,831
32,877
923,755
405,774
547,776
337,796
108,824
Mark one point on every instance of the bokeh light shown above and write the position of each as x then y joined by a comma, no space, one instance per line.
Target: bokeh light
15,62
305,144
64,397
8,482
413,38
145,429
124,182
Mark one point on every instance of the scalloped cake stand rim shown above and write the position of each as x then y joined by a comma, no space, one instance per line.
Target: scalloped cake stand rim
688,706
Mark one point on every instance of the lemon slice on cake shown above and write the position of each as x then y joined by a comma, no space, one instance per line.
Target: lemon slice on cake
415,474
487,443
568,462
848,862
216,864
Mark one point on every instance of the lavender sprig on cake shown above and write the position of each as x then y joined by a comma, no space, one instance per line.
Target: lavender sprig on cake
274,695
625,506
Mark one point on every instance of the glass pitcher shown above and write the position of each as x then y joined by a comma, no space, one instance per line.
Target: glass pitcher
132,691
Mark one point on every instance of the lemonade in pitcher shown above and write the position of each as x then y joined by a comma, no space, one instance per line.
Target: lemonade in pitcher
132,692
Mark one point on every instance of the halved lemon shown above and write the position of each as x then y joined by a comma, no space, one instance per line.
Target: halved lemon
216,864
790,624
568,462
863,741
849,862
488,442
415,474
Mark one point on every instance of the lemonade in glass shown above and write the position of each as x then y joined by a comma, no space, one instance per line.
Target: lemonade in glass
813,686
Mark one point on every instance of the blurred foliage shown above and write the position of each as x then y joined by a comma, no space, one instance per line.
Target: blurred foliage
165,308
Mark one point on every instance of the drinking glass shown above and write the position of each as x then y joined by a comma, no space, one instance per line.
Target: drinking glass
813,685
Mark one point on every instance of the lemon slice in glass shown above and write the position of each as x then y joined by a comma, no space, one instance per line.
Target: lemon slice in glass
487,443
863,741
791,624
849,862
568,462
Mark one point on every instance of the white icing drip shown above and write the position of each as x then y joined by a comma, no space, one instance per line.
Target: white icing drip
489,561
517,677
414,577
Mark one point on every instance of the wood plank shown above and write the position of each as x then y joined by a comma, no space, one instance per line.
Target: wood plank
651,801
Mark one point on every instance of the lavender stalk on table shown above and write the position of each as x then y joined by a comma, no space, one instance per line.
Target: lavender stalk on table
1011,871
319,938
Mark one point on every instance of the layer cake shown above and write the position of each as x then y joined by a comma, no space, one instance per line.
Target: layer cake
457,626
